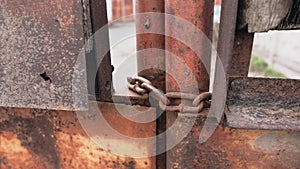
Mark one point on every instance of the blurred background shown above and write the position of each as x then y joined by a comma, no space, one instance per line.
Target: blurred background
275,53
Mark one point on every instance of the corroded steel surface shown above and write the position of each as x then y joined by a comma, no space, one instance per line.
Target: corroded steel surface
151,53
258,103
151,62
241,54
33,138
236,148
100,53
40,37
227,32
200,14
234,46
183,62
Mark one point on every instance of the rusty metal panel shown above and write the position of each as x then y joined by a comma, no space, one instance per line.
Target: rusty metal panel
34,138
40,43
235,148
258,103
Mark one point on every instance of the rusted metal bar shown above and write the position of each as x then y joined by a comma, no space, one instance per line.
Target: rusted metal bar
234,55
234,45
241,54
101,53
227,32
200,14
151,55
224,61
151,62
35,138
258,103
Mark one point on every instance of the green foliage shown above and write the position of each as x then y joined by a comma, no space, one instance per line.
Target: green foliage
259,65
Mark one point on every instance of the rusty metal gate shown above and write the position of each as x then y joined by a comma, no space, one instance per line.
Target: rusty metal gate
54,106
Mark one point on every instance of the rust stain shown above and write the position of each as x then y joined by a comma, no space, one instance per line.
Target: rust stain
236,148
34,138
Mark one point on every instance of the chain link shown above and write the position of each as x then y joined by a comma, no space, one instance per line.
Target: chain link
144,87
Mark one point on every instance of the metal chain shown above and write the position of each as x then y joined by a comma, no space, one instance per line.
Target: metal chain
144,87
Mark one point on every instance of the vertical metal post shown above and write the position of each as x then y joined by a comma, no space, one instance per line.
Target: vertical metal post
241,54
151,55
234,46
234,50
103,82
227,32
199,13
150,47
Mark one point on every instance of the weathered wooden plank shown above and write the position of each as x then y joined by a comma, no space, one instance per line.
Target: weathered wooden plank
40,44
34,138
257,103
262,16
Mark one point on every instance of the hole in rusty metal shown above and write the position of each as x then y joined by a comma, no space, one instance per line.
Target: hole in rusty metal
107,85
46,77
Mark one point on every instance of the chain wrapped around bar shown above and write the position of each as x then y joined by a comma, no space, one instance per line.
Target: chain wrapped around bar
143,87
